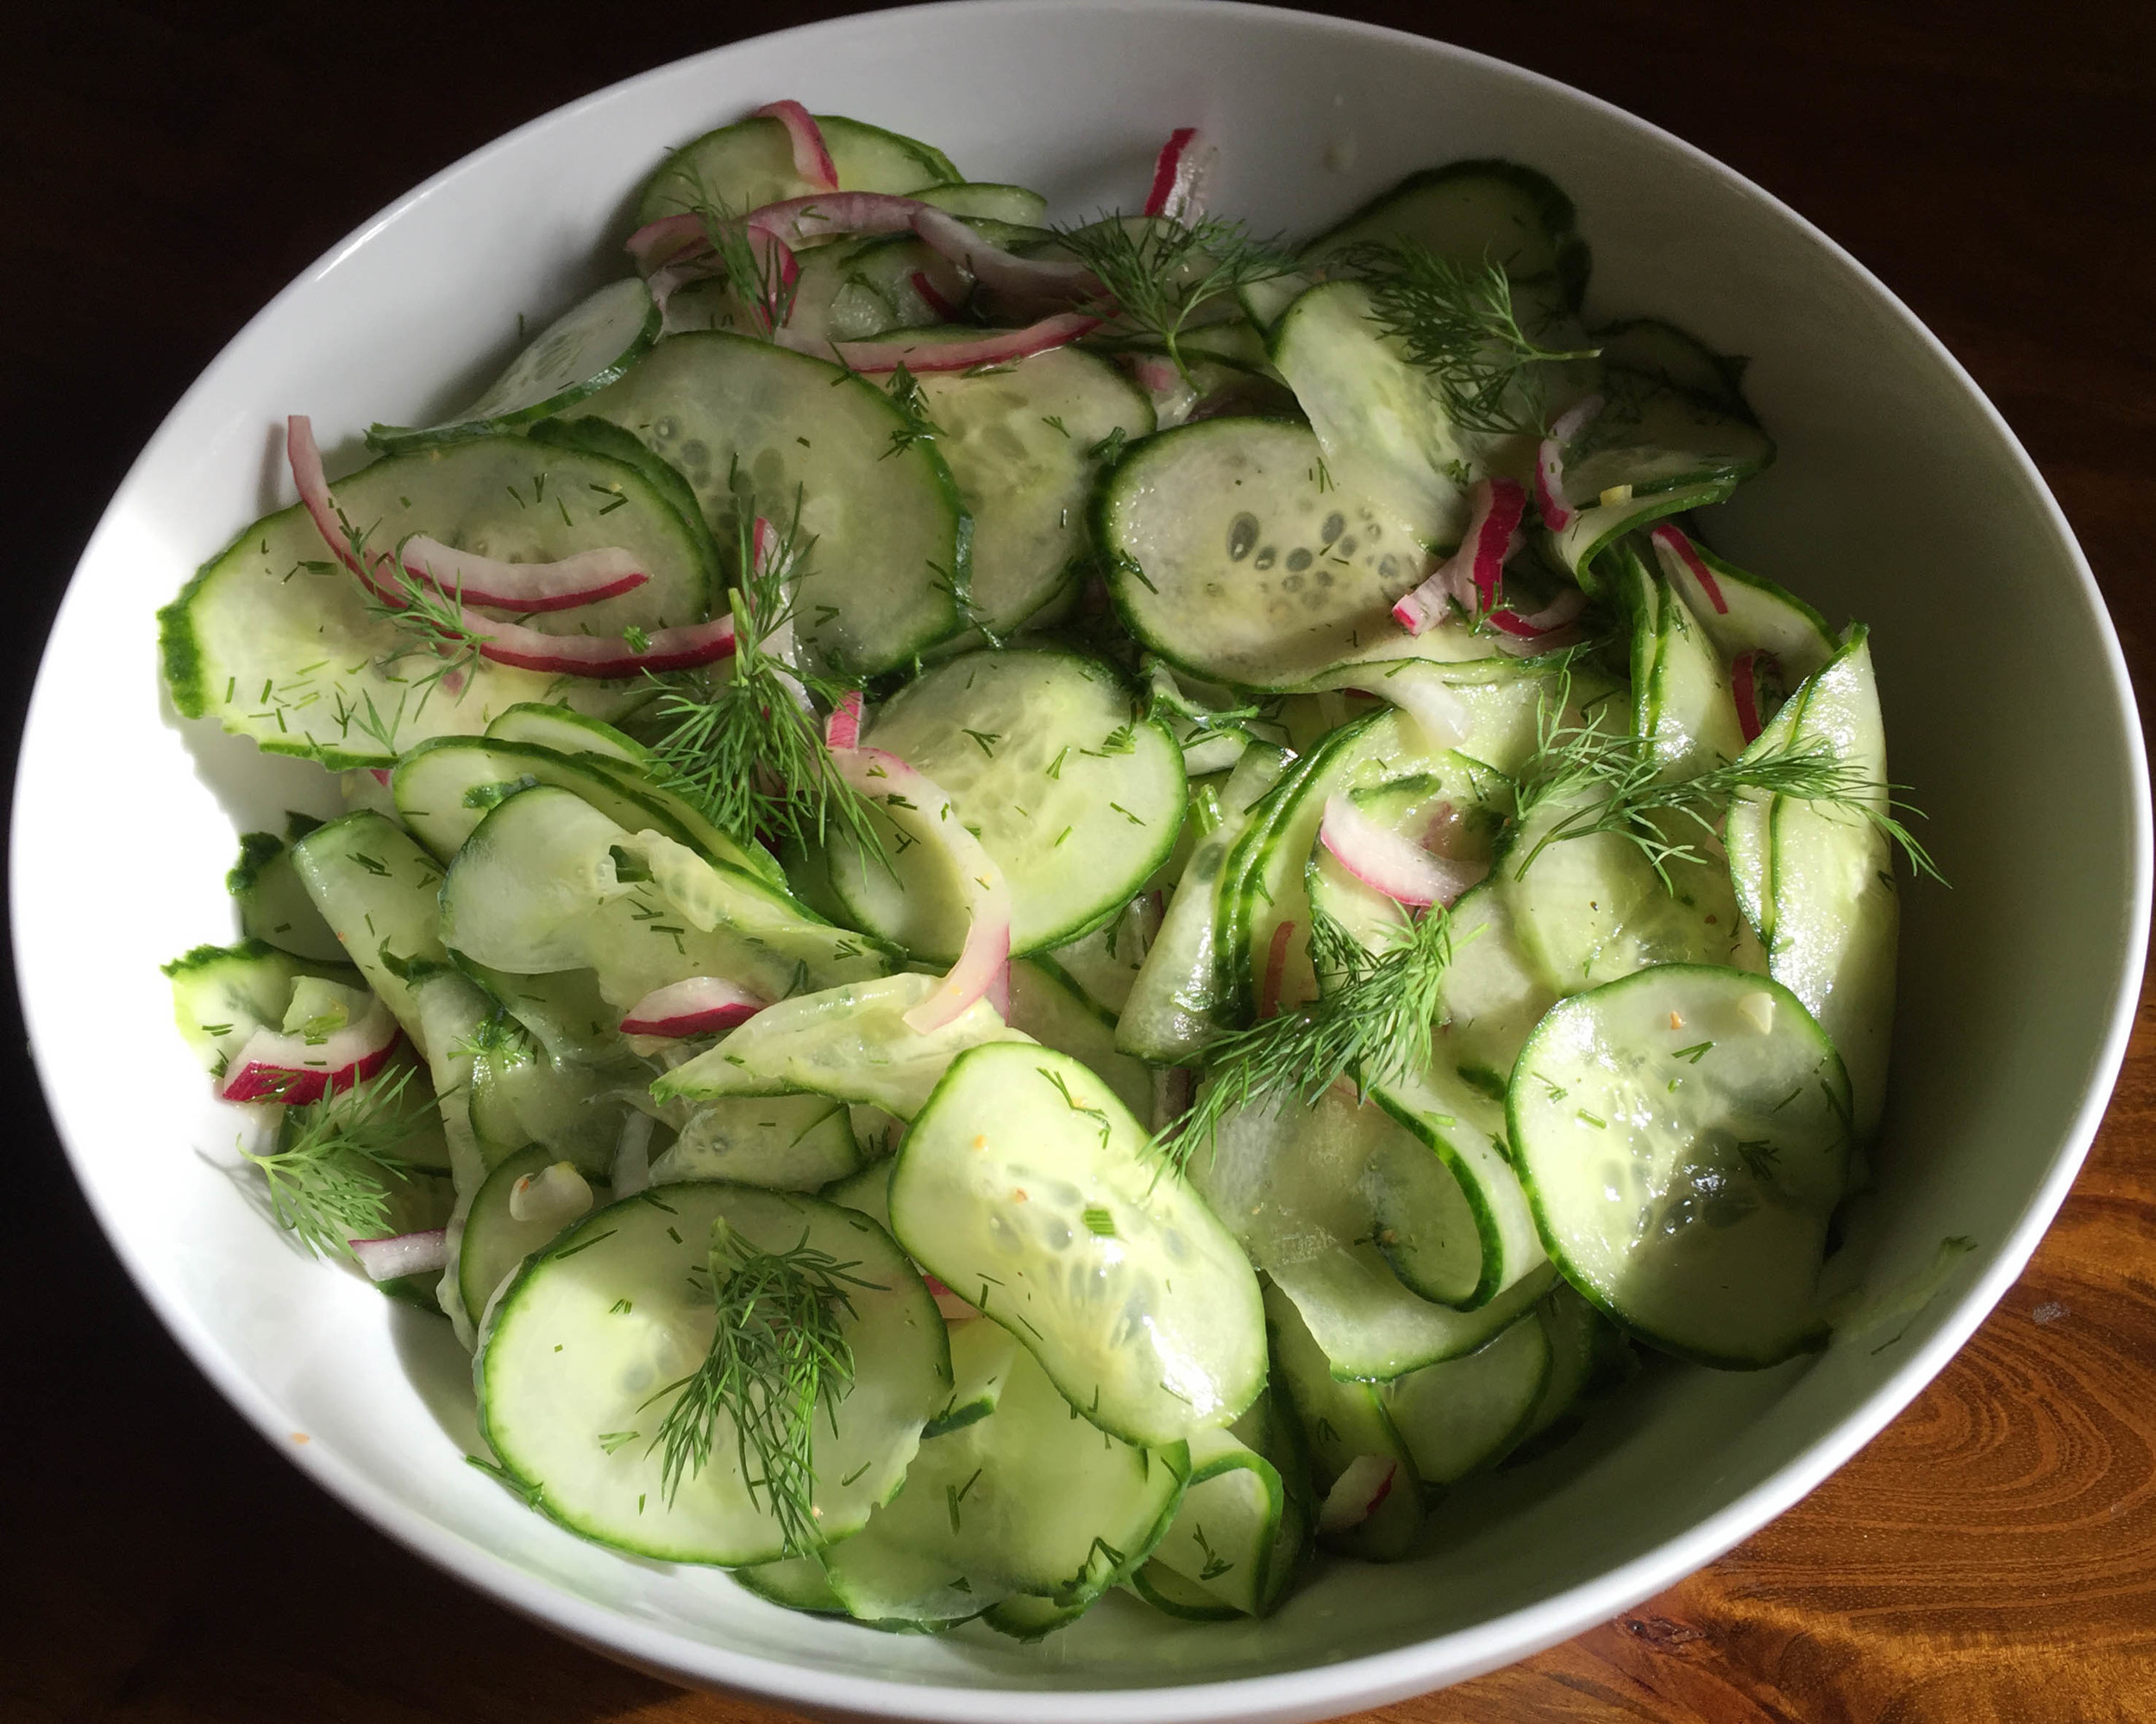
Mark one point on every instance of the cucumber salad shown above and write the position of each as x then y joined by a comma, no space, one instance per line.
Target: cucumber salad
1035,908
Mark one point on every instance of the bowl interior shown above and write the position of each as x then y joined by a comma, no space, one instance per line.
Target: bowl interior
1899,498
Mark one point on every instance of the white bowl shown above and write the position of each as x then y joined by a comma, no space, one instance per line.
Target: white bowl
1899,497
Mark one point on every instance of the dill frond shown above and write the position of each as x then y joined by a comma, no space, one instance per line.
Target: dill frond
1459,323
1158,271
777,1355
329,1176
748,748
1370,1024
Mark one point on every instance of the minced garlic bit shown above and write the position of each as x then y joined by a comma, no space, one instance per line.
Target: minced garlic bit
1616,493
1675,1022
557,1193
1759,1009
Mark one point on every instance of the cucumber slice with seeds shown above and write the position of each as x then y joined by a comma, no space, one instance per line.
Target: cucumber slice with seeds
1044,757
889,565
1683,1134
1024,1186
1234,555
574,1370
582,351
1024,444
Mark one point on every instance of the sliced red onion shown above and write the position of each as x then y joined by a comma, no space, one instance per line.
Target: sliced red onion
879,776
557,1194
403,1254
1679,557
1472,575
509,643
1181,174
700,1006
842,729
668,240
991,347
1557,513
1550,617
834,215
583,579
811,157
933,296
1361,1487
1000,269
1275,969
272,1066
1389,862
1744,687
381,773
999,992
1153,373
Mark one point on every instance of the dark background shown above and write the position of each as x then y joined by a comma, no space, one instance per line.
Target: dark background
169,166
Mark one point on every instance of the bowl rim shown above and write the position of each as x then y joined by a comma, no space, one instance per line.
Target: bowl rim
1314,1691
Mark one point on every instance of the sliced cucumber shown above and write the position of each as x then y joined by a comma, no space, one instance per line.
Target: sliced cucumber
1046,1006
273,905
987,200
581,1351
1178,1001
445,787
222,994
583,350
1293,1184
750,163
1476,212
567,732
1339,1421
1171,1594
1746,613
546,883
378,891
520,1095
1025,1186
1368,1326
1581,1346
1104,965
1466,1414
1593,530
890,558
982,1357
1027,1500
1821,888
1653,438
1233,554
1684,1135
798,1583
496,1241
1687,713
1378,416
1659,350
1076,798
849,1043
1024,443
562,1011
782,1142
1227,1529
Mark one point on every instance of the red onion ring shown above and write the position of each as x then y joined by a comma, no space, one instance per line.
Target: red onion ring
992,347
272,1066
1387,862
403,1254
699,1005
1470,575
811,156
1181,175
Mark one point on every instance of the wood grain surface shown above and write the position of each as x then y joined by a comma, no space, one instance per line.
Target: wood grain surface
1992,1556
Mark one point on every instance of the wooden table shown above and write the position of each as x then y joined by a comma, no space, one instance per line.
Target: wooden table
1991,1556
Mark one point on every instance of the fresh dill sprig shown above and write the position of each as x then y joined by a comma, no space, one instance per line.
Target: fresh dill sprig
911,401
330,1174
778,1353
432,622
1158,271
756,275
1370,1024
748,748
1459,323
1609,782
